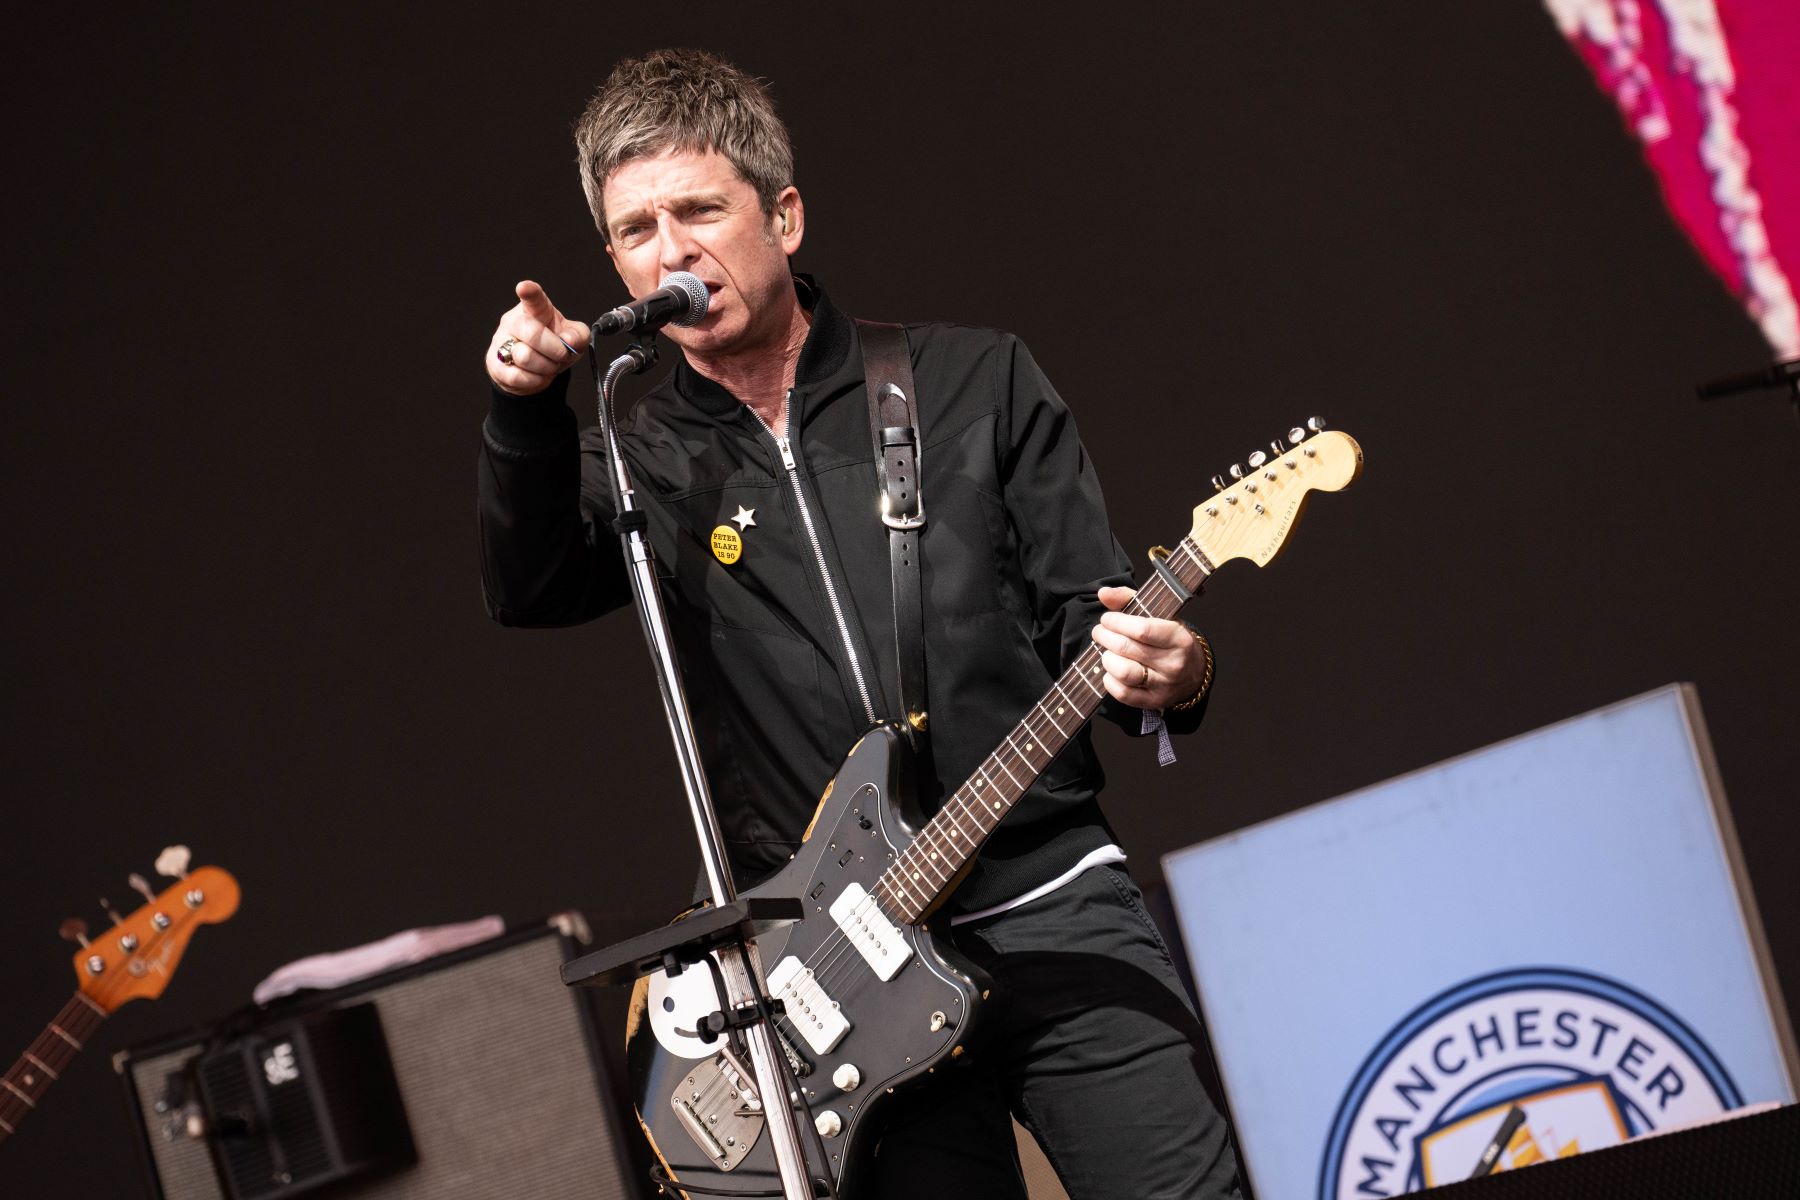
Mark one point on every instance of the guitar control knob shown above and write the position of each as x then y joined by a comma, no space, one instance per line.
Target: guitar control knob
1316,424
828,1123
1257,458
1237,472
846,1078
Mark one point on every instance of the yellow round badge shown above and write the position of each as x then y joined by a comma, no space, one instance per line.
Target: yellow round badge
727,545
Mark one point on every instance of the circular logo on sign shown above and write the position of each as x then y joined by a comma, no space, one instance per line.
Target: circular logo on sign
1591,1061
727,544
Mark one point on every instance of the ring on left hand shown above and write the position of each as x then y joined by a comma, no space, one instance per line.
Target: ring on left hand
505,351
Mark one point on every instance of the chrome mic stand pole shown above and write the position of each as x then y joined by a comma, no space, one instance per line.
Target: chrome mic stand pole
741,967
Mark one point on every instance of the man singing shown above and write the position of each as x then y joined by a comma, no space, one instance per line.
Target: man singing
787,640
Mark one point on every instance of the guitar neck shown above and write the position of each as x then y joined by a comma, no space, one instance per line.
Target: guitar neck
44,1063
922,875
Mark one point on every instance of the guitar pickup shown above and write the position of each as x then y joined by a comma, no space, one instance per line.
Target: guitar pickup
869,930
815,1014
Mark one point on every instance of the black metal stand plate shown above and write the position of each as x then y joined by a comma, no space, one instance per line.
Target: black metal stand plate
689,939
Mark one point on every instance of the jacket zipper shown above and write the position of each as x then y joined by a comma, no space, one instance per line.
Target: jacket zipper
812,535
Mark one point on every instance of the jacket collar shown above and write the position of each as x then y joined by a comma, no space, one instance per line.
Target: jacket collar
827,345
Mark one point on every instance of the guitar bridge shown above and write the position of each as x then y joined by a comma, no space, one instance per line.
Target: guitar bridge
718,1106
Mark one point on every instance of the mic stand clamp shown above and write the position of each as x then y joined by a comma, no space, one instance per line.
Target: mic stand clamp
724,936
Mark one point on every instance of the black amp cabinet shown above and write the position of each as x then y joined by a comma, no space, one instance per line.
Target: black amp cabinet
470,1076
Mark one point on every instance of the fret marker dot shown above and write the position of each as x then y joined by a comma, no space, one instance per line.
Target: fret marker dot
1059,710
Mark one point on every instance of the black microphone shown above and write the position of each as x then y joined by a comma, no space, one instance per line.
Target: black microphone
681,299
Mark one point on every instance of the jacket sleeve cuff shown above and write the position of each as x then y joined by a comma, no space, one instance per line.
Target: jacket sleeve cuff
527,424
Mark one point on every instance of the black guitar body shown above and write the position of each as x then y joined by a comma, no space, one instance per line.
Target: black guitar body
700,1107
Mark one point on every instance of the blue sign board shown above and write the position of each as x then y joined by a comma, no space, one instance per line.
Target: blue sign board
1559,921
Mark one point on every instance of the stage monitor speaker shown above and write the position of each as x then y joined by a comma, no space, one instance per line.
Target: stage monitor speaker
499,1067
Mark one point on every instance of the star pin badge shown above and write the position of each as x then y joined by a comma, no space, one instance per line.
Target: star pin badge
728,543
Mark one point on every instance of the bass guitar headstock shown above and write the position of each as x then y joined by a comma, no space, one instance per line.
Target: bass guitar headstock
136,958
1259,503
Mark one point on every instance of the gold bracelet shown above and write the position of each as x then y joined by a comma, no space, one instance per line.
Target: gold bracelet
1205,679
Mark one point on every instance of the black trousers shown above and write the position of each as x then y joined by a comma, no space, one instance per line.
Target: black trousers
1093,1046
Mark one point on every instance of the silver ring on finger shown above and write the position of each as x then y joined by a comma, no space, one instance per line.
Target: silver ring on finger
505,351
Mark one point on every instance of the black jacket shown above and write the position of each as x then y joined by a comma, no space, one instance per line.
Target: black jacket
1016,545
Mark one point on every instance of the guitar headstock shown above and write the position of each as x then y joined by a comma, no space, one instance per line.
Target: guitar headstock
1252,517
136,958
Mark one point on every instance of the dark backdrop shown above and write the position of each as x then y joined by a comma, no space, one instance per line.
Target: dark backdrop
252,260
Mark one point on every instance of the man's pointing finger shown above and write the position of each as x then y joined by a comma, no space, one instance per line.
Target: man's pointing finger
535,303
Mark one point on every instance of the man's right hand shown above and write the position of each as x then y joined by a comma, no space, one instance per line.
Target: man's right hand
540,341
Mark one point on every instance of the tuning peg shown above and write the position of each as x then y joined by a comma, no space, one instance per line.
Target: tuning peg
1218,484
73,930
1296,435
107,908
1257,458
173,862
1316,424
141,886
1277,447
1237,472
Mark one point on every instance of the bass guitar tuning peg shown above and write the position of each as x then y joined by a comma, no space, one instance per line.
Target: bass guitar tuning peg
73,930
173,862
141,886
111,912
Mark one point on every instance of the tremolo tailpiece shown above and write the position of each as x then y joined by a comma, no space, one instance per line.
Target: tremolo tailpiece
719,1107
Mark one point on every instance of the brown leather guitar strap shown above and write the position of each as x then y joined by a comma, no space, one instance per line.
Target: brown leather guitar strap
894,429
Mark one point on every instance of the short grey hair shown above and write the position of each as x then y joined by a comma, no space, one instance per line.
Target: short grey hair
682,100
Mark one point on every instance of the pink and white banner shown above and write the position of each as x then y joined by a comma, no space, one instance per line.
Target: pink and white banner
1712,89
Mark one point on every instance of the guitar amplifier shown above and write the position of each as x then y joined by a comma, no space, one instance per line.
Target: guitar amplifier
494,1084
299,1104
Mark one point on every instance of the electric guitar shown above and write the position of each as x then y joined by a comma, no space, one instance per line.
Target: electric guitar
135,958
873,999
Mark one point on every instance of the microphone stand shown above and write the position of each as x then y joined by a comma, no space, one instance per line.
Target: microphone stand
1783,374
748,1006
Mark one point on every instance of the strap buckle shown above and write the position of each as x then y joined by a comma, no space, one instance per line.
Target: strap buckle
901,437
906,522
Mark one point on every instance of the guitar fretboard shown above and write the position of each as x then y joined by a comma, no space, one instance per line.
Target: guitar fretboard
44,1063
923,872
